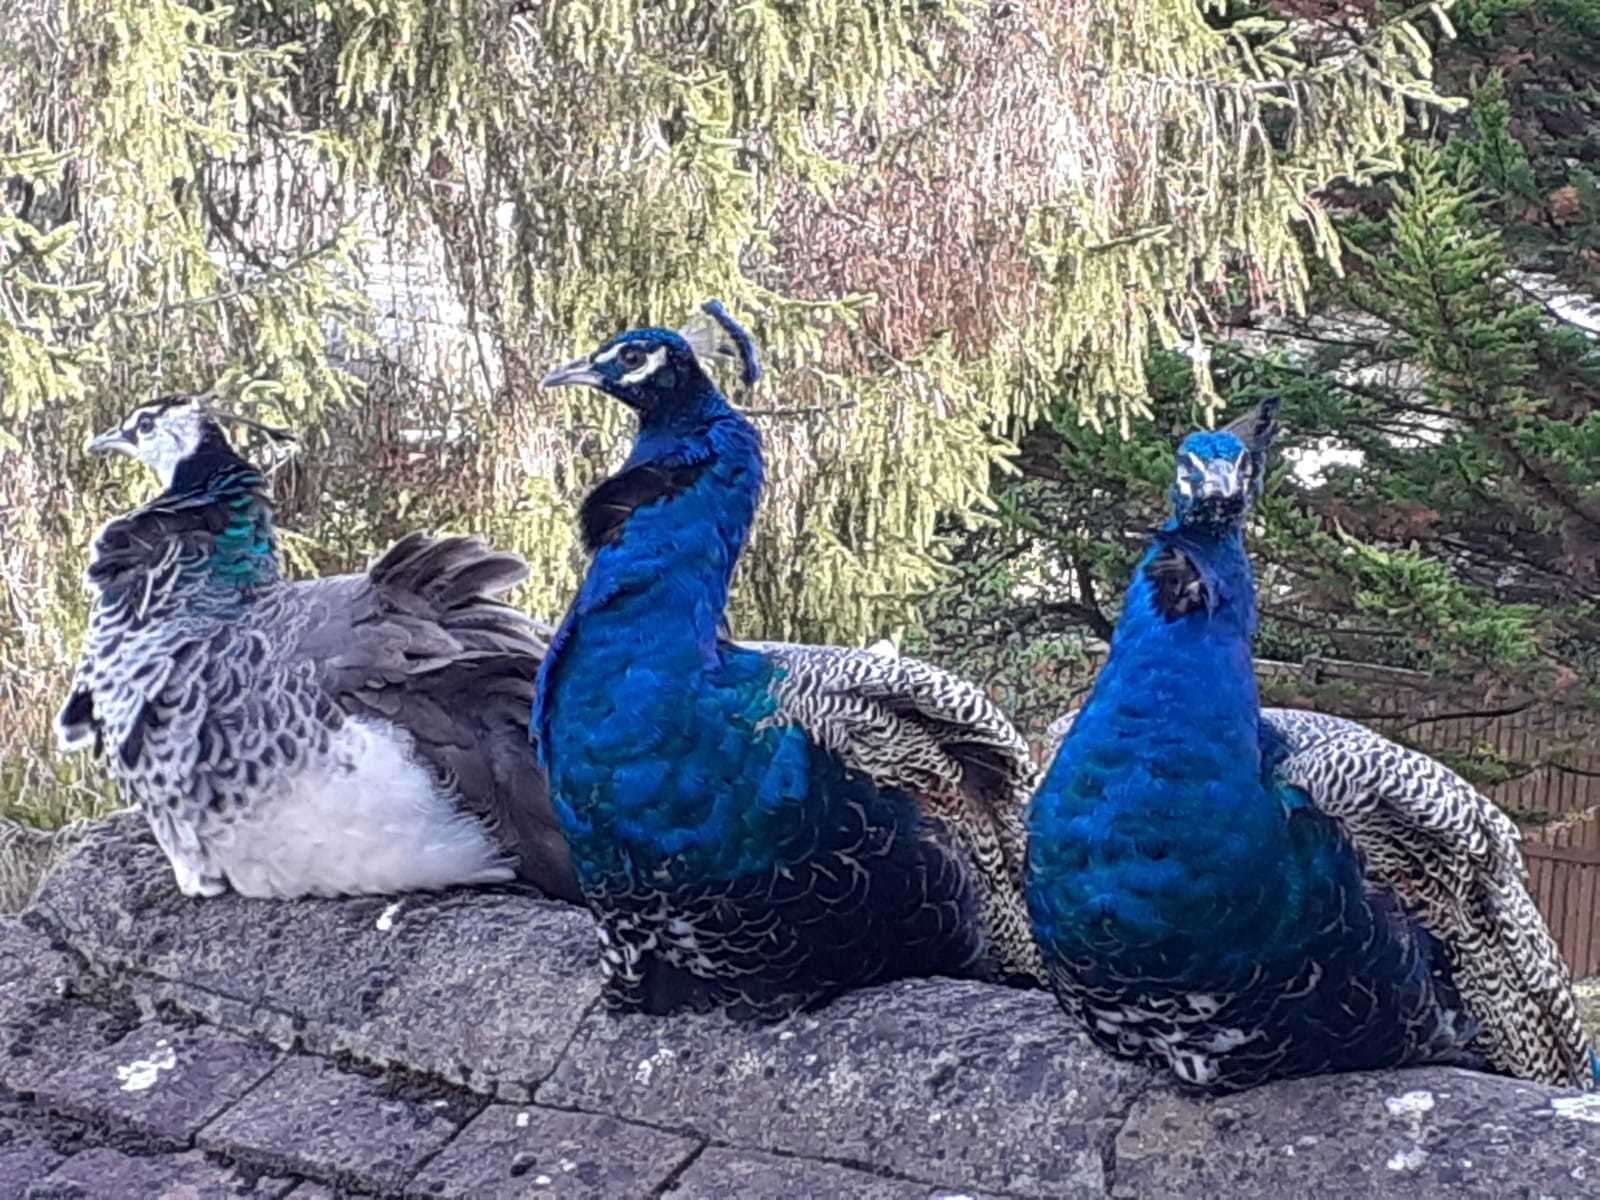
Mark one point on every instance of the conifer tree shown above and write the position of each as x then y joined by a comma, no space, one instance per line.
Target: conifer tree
939,218
1443,385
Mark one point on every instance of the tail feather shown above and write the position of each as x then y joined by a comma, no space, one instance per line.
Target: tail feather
452,582
451,572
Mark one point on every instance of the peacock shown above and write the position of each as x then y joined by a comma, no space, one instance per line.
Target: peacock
355,734
1236,895
757,827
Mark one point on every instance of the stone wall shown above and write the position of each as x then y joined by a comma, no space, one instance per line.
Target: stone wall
454,1046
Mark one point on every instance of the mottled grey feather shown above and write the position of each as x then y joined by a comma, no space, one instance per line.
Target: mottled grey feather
240,722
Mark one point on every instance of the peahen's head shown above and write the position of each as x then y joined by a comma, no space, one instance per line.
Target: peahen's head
1220,472
171,431
660,373
161,434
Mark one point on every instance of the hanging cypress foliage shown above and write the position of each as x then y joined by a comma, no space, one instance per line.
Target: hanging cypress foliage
380,220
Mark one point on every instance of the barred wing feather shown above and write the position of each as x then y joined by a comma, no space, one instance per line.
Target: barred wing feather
1453,858
909,725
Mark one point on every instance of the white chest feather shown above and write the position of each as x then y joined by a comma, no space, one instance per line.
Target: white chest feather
364,818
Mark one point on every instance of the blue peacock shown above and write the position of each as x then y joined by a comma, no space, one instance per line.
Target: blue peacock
353,734
1238,895
756,827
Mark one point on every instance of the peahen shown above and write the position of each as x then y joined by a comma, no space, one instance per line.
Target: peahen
757,827
1238,895
356,734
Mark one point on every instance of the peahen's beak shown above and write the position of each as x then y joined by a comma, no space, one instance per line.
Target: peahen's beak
577,373
112,441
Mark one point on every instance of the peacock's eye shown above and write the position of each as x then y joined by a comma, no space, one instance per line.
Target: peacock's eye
147,423
631,357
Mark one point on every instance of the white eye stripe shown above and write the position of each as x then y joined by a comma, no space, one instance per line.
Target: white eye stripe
606,356
652,363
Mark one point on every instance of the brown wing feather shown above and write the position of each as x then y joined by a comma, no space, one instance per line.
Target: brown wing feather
419,641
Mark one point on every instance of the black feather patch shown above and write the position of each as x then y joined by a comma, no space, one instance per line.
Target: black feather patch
78,710
133,745
1180,589
130,545
610,505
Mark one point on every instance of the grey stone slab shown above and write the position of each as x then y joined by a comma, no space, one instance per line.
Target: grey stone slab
956,1083
1426,1132
921,1085
160,1080
310,1118
26,1155
41,1026
722,1174
29,965
479,989
104,1173
512,1151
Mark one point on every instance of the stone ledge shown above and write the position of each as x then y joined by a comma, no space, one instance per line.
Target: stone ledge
451,1046
160,1081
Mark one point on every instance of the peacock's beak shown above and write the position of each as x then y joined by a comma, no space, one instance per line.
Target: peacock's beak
112,441
1224,479
577,373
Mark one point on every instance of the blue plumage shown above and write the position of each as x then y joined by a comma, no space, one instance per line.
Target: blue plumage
731,860
1193,908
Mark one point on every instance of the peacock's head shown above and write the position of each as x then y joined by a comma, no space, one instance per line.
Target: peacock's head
1220,472
172,430
660,373
161,434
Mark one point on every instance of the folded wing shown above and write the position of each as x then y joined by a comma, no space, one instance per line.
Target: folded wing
1453,858
419,641
909,725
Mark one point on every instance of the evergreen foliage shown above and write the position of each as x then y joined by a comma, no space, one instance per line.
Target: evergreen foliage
1438,508
941,217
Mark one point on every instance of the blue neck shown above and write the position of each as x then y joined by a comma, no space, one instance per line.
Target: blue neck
1155,821
1192,671
686,543
1227,612
667,531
